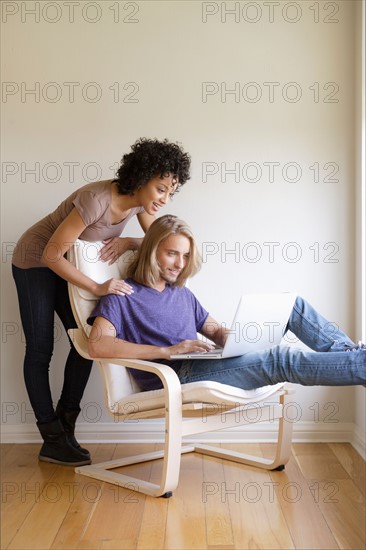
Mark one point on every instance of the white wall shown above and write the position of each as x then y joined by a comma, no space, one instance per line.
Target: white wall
360,275
105,73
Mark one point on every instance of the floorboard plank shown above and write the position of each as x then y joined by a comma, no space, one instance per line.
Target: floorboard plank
23,479
352,462
219,530
305,522
151,535
341,502
83,494
185,526
257,519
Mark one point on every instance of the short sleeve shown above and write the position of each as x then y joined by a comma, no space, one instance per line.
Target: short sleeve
109,308
89,206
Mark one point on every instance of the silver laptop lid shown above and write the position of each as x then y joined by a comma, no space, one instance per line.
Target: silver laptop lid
259,322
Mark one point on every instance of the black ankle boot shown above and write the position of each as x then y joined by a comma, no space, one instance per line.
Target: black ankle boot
68,420
57,448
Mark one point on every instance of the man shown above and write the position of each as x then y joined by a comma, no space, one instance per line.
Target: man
161,318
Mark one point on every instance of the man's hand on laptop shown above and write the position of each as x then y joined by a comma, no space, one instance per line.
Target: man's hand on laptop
189,346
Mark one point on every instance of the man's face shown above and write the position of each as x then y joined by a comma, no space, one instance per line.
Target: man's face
172,256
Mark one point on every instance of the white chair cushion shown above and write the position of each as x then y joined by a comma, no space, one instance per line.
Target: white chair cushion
196,392
119,383
88,262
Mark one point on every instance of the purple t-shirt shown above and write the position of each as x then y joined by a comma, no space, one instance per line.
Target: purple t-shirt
151,317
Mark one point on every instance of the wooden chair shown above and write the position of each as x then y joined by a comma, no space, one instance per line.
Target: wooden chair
187,409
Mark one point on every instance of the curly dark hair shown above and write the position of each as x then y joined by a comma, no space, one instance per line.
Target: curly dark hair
148,159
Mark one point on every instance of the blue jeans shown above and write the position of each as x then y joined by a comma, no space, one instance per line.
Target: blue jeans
41,292
330,364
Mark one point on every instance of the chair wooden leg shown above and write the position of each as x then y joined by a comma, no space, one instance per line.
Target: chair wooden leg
168,482
283,447
171,455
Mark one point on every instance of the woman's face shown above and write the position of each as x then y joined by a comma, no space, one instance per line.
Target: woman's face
156,193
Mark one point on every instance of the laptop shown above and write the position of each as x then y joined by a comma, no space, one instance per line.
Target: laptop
259,323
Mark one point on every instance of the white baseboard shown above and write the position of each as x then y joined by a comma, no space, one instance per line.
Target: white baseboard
358,441
151,431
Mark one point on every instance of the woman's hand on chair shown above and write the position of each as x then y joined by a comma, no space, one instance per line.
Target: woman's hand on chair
114,286
114,248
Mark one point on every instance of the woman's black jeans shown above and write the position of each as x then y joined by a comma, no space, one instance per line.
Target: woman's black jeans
41,292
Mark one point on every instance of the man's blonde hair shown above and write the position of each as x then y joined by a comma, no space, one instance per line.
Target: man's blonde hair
145,269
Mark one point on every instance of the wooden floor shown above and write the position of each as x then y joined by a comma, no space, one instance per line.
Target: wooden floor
318,501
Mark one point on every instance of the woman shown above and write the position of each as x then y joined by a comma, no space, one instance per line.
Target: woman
148,176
